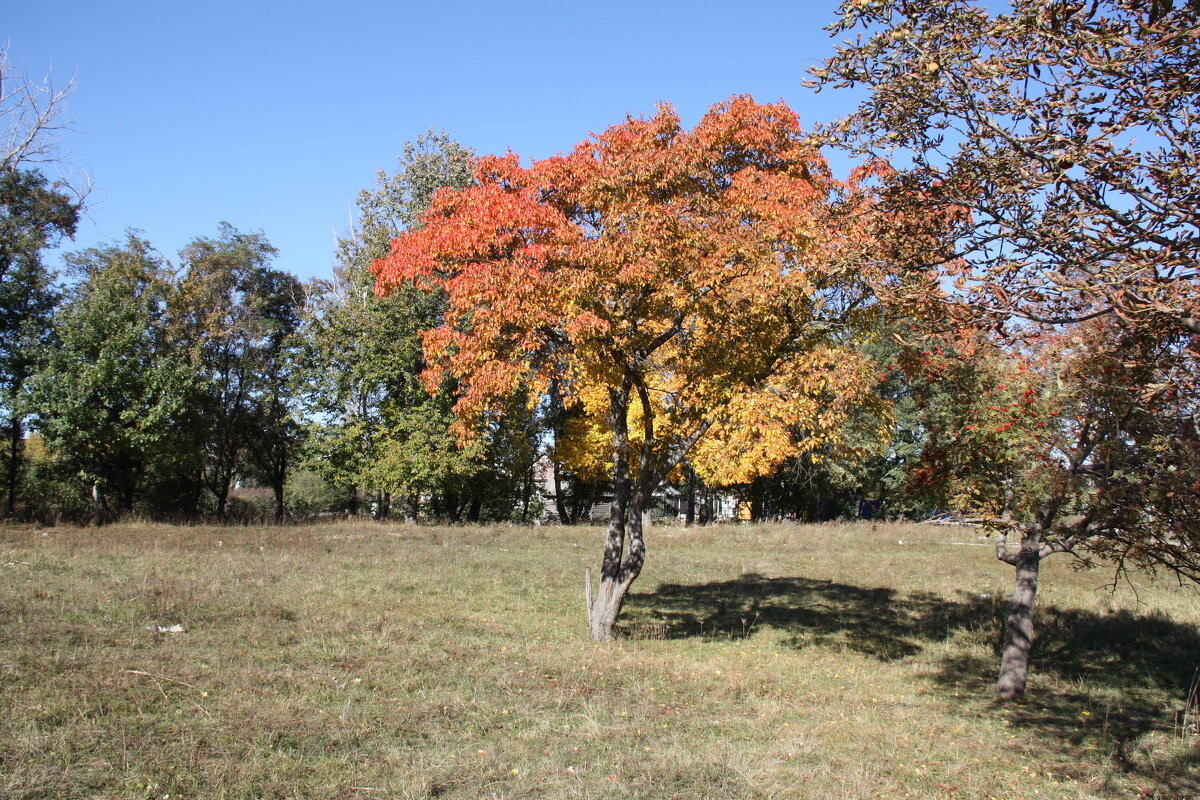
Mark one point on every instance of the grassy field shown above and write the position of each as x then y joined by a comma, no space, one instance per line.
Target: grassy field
385,661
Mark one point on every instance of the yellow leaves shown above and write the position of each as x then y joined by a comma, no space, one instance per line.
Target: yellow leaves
698,264
801,409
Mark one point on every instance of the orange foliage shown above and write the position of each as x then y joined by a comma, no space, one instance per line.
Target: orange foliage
700,278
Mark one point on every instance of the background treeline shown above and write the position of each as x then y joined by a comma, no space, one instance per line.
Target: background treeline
220,385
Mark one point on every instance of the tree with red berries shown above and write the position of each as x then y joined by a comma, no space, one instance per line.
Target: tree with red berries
1057,142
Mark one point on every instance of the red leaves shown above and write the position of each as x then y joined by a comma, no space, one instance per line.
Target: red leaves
678,259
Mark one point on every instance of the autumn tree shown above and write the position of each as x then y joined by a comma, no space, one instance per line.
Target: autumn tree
1057,143
1060,136
684,287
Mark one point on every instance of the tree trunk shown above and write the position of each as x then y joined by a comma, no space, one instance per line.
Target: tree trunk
222,500
614,586
1018,631
15,442
352,501
560,504
556,416
690,517
97,504
526,494
277,486
412,507
614,579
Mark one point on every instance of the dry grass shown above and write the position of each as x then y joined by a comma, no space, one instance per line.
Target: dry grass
384,661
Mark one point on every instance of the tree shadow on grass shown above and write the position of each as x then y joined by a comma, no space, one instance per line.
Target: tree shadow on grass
1103,680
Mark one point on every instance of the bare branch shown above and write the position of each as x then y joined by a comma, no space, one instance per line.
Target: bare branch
32,114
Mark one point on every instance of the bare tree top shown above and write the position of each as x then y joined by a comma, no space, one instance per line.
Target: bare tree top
32,115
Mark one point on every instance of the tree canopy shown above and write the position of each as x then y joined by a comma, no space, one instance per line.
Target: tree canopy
1060,137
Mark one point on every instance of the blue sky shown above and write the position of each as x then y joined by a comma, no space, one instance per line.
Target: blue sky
272,116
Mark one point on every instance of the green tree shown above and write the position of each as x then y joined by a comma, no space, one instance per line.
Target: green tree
235,317
384,432
110,387
34,215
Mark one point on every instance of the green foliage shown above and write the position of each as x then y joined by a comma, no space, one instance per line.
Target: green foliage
111,388
381,429
237,319
34,215
309,494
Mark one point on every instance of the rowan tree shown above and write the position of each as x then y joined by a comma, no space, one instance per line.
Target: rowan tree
686,285
1079,441
1056,142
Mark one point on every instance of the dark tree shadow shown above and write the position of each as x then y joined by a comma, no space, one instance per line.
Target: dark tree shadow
1120,675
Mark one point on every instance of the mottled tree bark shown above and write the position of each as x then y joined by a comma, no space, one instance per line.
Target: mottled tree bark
614,579
632,498
1018,629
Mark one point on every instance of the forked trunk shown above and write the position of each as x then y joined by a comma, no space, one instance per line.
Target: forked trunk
629,515
1018,631
605,606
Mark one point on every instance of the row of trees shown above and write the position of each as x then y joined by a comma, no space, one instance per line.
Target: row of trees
157,388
